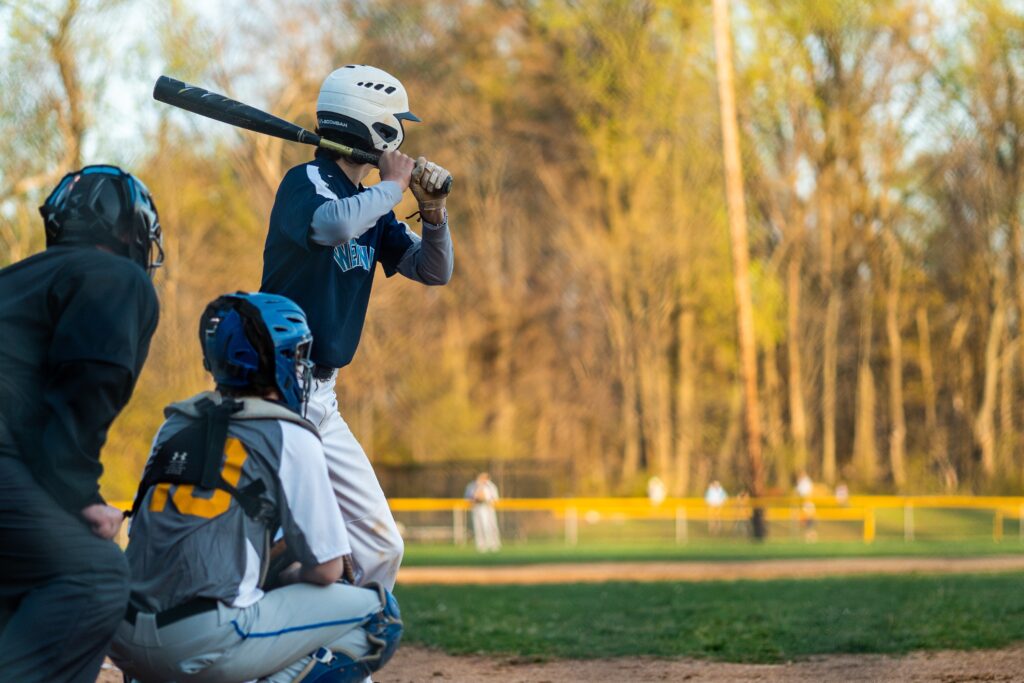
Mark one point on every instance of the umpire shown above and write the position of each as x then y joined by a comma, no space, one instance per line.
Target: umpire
75,325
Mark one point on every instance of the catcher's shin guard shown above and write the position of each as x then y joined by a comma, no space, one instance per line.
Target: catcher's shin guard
383,631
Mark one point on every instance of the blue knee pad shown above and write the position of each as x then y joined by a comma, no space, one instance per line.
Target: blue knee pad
383,631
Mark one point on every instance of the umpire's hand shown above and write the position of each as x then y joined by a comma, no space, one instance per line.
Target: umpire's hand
103,520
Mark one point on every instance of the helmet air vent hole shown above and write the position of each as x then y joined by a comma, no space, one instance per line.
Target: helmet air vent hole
379,86
359,83
390,89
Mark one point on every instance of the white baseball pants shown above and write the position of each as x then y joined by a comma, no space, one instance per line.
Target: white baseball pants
271,640
377,546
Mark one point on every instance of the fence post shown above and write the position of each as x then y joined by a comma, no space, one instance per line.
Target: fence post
1020,522
908,521
682,532
571,526
869,525
458,526
997,526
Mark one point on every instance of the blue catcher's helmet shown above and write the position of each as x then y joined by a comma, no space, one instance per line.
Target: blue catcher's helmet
260,341
105,205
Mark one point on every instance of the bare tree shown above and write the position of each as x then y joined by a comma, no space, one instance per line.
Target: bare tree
740,255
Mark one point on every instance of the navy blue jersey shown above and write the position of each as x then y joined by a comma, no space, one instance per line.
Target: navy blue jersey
331,284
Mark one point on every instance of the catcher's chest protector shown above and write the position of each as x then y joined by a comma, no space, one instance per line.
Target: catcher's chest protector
195,456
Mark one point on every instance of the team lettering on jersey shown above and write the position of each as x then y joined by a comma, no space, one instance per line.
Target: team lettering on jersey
353,255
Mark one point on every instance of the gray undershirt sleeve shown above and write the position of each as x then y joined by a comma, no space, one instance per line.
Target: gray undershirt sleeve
429,259
340,220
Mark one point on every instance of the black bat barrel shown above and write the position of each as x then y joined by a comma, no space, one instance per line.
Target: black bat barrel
214,106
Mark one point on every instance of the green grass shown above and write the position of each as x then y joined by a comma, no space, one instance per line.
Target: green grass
742,621
419,555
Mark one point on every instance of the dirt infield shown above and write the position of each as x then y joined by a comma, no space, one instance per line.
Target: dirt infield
707,571
414,665
417,665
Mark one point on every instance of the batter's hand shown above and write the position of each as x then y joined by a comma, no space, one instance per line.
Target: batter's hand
396,167
104,520
427,180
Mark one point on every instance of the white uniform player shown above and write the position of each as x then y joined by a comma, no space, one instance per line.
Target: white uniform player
484,494
327,234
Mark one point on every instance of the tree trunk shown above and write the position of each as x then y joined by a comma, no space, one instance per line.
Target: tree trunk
773,415
936,433
1007,435
657,413
686,402
740,253
505,422
71,116
865,452
797,409
630,429
828,389
1017,261
898,435
984,421
830,342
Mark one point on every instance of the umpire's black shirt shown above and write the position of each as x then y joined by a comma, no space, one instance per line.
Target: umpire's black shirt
75,325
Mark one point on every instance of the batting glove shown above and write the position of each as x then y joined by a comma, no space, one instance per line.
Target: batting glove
427,180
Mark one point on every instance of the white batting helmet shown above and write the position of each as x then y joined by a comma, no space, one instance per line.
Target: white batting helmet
365,107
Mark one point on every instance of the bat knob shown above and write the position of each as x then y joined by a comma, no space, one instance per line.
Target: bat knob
446,188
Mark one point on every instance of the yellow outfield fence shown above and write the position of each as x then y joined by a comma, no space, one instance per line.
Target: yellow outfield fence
800,512
681,513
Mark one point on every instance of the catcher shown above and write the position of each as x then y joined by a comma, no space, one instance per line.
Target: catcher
229,468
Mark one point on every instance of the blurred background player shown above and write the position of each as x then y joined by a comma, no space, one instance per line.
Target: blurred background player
484,493
804,485
227,469
327,234
715,498
76,321
656,491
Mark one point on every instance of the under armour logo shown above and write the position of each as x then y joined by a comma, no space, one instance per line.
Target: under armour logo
178,463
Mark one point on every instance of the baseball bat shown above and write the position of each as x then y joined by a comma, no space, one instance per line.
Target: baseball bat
220,108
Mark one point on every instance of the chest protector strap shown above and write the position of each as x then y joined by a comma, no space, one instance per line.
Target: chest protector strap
195,456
